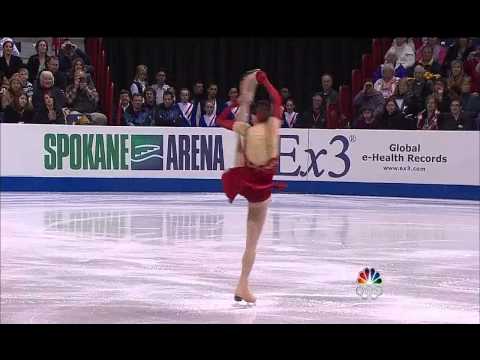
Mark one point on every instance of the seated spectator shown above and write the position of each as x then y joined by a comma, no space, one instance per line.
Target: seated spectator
393,118
15,89
59,77
123,104
466,92
21,111
420,87
470,102
212,91
390,58
9,63
82,99
38,62
79,65
167,114
313,118
161,86
427,62
198,101
456,119
455,80
172,91
149,99
441,94
15,50
428,118
185,106
405,100
458,51
386,85
404,52
209,118
136,114
140,83
68,52
46,84
285,93
367,120
368,97
48,112
233,98
328,93
289,117
439,51
27,85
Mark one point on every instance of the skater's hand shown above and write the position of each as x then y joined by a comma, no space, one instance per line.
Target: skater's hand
262,77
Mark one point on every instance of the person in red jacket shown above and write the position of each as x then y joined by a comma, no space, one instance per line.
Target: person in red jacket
256,164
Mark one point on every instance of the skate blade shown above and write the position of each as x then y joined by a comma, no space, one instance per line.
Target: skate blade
241,302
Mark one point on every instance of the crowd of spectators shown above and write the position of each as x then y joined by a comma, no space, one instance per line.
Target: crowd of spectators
433,87
49,88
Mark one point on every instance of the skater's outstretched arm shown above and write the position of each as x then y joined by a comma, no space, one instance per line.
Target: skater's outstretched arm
239,127
274,94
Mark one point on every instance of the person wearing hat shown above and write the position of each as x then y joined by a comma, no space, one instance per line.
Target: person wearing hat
9,63
367,119
68,52
15,50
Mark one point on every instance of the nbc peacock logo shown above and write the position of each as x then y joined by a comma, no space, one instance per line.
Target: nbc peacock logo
369,284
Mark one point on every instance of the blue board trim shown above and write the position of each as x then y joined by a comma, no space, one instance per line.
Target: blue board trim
77,184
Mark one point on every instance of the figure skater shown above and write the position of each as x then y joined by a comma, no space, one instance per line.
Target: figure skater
255,164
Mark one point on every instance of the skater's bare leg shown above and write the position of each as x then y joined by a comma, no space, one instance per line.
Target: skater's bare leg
257,213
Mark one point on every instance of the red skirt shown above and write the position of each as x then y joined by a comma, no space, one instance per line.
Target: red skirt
254,184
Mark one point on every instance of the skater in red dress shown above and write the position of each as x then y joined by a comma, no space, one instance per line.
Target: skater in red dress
255,164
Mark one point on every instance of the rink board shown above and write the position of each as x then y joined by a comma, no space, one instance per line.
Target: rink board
436,164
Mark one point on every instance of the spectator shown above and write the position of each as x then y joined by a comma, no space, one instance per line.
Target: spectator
15,50
289,117
428,118
328,93
368,97
59,77
198,101
404,52
38,62
393,118
441,95
405,101
27,85
386,85
233,98
68,52
167,114
185,106
458,51
456,119
470,103
209,117
466,91
439,51
9,63
149,99
139,83
455,80
285,93
427,62
172,91
136,114
313,118
420,87
472,69
367,120
123,104
161,86
48,112
20,111
46,84
390,58
15,89
79,65
83,99
212,91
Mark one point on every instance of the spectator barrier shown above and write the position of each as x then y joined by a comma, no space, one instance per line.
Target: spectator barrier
426,164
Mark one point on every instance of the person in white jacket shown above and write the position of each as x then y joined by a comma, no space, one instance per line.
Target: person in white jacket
15,50
405,53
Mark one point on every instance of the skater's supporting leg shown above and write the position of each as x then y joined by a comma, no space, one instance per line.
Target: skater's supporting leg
257,213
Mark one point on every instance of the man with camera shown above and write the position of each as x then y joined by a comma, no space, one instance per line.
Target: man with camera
370,98
68,52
